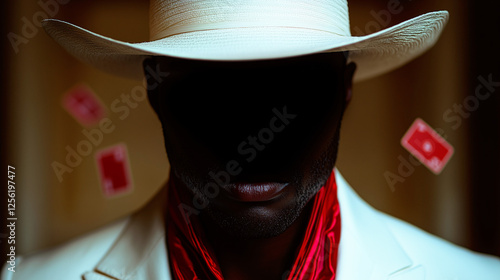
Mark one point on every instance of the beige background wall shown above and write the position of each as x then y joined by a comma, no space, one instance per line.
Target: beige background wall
382,110
51,211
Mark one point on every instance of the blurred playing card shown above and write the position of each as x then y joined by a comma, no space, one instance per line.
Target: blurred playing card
114,170
83,104
427,146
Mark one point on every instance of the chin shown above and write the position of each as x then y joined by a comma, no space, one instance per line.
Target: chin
263,220
256,222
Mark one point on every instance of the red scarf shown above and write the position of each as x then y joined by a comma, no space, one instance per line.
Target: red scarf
191,259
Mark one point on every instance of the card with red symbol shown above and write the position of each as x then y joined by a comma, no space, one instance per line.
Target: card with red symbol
427,146
114,170
84,105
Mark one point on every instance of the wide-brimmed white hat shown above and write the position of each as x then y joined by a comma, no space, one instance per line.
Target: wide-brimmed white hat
237,30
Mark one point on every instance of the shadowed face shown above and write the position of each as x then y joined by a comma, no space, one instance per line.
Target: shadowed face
251,142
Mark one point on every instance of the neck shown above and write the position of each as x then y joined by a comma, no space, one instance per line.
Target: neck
267,258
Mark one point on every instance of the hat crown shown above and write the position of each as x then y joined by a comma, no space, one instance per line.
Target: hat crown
170,17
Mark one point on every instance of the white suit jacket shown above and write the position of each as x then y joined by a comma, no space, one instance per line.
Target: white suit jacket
372,246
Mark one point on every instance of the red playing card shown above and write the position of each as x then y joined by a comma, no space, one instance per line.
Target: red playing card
427,146
114,170
82,103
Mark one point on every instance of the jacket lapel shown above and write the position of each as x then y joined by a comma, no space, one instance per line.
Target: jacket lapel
368,249
140,251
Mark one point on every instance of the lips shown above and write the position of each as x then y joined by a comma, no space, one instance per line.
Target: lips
255,192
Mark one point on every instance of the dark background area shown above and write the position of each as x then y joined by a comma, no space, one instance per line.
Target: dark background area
4,149
484,60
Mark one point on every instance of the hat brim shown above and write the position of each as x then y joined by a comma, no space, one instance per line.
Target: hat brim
374,54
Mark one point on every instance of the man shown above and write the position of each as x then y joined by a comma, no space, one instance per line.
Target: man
251,114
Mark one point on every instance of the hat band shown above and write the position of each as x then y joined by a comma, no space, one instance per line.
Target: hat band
170,17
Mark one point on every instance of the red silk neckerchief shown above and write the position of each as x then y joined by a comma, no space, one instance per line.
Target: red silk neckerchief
191,259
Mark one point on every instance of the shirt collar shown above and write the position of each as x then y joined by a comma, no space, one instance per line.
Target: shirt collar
140,251
368,249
